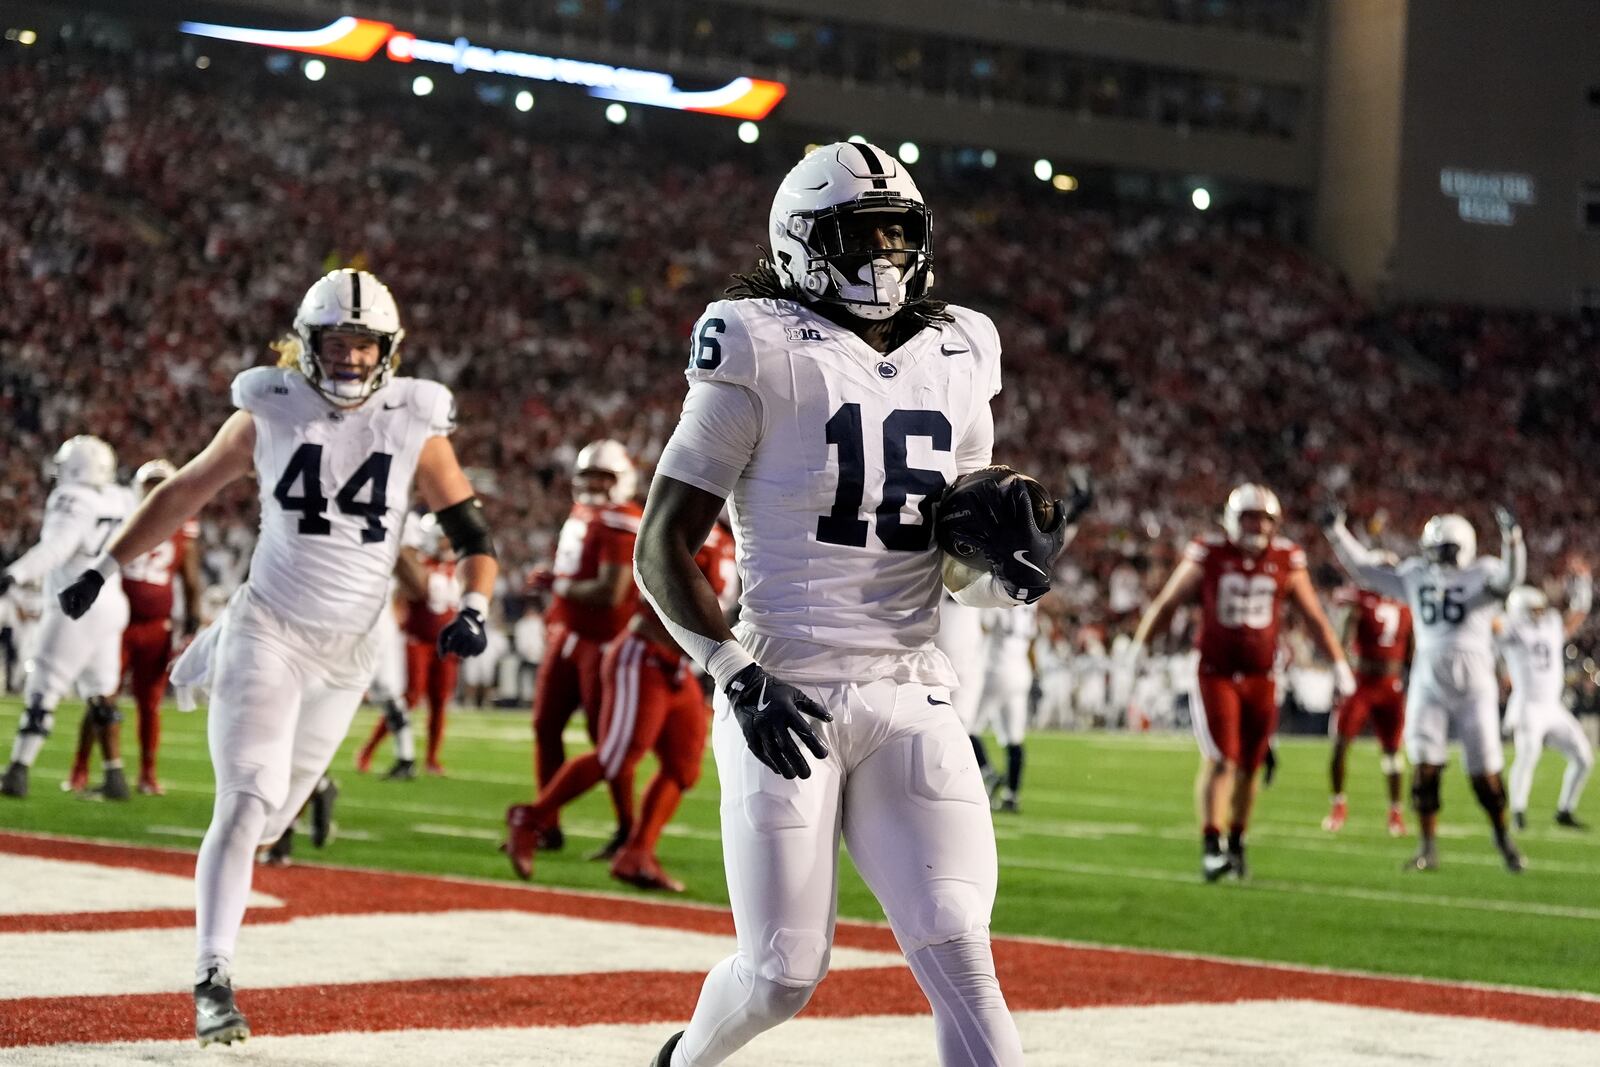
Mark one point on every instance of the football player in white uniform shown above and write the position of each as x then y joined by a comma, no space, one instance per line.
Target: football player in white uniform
834,402
83,510
1531,637
1007,682
335,444
1454,597
960,638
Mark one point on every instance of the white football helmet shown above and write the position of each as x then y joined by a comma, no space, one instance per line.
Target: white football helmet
357,302
157,470
84,460
1449,539
612,458
817,250
1526,602
1250,497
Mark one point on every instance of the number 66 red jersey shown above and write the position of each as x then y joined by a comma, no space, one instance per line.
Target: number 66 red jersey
1241,602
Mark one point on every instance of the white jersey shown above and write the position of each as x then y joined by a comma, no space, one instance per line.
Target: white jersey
78,521
834,455
1008,635
335,489
1453,608
1532,649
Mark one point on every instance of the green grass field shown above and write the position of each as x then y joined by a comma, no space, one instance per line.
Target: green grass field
1105,850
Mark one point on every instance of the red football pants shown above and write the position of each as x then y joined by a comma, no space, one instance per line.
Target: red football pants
146,656
1237,717
1382,699
649,702
569,678
428,674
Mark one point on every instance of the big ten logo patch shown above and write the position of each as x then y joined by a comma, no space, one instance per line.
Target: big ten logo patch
802,333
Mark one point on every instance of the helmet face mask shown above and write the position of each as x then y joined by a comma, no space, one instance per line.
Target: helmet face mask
603,474
1449,541
359,307
849,228
1527,602
1252,500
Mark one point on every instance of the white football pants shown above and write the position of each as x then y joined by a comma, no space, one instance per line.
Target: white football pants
1556,727
902,786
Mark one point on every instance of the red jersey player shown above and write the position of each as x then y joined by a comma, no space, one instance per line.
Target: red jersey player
147,644
650,700
1378,632
592,597
1240,581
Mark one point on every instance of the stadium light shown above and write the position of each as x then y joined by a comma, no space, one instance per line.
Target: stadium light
989,158
749,132
616,114
314,70
909,152
856,138
1064,182
1200,198
422,85
26,37
202,62
524,101
1043,170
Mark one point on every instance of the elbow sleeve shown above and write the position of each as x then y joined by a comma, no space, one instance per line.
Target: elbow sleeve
464,524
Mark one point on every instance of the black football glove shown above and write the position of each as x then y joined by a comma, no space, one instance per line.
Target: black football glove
768,712
1006,522
1269,765
464,636
1330,515
79,597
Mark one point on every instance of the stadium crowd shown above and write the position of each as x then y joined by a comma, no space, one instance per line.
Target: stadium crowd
154,238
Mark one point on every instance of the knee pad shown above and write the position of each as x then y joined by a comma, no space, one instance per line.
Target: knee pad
794,959
1425,793
37,719
1490,793
103,712
395,717
947,910
1392,763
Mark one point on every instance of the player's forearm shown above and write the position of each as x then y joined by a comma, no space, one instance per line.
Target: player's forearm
167,507
601,591
478,574
1154,619
1362,565
1514,558
676,588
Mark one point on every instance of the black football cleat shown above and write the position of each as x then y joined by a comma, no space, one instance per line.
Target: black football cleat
217,1020
1570,821
322,827
609,850
1520,820
1213,865
404,770
1515,864
551,839
1426,859
15,782
115,787
1008,805
1236,863
281,851
664,1057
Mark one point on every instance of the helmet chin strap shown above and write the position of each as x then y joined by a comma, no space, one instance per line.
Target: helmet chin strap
880,296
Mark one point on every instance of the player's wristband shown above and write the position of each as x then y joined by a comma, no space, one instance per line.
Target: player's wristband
727,660
106,566
475,602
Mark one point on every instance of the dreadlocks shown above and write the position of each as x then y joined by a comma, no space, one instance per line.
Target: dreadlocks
763,283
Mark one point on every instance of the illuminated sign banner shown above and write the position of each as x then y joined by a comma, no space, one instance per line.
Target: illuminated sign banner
360,39
1485,197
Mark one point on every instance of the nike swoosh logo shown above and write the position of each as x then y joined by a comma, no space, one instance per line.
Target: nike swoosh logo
1021,556
952,350
761,700
946,703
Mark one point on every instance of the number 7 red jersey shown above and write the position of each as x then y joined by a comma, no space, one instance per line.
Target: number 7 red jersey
1241,602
